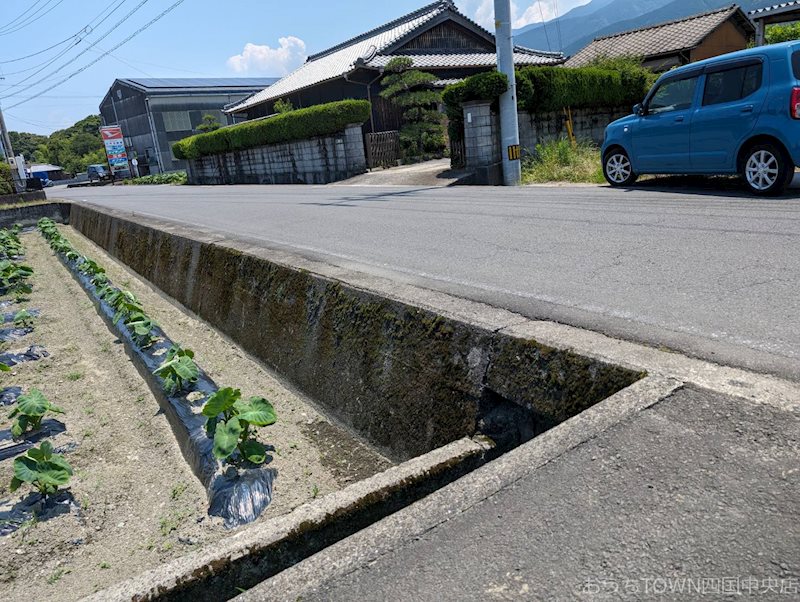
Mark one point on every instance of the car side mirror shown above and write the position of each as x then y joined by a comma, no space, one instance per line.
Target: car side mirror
639,109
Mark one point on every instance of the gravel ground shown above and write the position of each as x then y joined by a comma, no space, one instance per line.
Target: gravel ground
136,502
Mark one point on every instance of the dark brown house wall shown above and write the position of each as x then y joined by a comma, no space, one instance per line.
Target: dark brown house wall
726,38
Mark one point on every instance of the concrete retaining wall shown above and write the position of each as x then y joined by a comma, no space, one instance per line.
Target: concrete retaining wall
28,215
405,378
314,161
482,134
23,197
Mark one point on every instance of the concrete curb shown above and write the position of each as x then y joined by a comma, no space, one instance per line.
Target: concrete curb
259,551
441,506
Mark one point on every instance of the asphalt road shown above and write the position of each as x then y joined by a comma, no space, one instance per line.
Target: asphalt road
708,273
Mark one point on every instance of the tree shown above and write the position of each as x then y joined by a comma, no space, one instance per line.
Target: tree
26,144
283,106
73,148
209,124
411,90
781,33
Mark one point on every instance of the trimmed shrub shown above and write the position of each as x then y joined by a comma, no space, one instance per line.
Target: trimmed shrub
300,124
6,183
482,86
544,89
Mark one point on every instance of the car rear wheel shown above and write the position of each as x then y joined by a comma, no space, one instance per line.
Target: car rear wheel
617,168
766,170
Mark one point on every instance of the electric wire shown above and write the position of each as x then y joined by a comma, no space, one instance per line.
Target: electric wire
73,59
101,57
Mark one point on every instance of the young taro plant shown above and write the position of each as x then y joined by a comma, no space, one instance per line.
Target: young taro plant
178,369
14,277
42,468
23,319
141,329
29,412
229,419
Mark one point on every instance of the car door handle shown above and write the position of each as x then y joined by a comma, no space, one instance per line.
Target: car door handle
747,109
678,119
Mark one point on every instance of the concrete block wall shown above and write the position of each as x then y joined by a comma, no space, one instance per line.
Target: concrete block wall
482,134
319,160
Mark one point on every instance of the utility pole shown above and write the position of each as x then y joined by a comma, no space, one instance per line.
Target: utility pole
509,124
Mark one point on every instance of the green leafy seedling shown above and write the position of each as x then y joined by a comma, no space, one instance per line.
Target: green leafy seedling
29,412
178,369
23,319
228,421
141,327
42,469
4,367
124,303
14,277
89,267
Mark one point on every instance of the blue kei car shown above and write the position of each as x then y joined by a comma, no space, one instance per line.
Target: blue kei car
734,114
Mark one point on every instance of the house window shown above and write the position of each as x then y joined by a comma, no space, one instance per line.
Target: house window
732,85
177,121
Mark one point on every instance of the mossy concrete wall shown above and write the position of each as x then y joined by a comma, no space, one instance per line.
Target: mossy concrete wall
23,197
28,215
405,378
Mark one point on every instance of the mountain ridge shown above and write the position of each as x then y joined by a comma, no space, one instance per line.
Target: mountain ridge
599,18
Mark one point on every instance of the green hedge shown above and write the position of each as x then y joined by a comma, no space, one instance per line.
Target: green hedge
300,124
6,183
482,86
544,89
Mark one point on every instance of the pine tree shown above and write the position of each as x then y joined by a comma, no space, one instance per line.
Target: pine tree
411,90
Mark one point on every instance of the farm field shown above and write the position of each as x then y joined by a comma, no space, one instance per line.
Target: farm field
133,502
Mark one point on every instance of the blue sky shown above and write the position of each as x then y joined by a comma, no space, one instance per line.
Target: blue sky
199,38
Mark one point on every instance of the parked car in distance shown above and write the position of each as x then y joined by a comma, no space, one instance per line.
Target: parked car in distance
738,113
97,172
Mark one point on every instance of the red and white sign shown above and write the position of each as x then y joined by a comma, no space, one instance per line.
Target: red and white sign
115,147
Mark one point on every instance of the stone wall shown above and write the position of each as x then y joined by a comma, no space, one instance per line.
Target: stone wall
482,134
318,160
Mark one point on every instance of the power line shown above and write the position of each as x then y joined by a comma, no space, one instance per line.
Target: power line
98,59
558,26
6,32
73,59
42,66
544,25
21,15
85,31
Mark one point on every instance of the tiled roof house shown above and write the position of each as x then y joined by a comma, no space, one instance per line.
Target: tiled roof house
439,39
674,43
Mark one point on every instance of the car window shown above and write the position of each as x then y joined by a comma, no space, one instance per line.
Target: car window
732,85
796,64
674,95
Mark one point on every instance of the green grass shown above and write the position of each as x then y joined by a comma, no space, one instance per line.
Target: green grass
560,161
177,178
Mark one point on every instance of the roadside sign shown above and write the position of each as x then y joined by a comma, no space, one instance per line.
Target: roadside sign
115,148
514,152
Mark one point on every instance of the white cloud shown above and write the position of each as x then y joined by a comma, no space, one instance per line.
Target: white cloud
523,12
262,59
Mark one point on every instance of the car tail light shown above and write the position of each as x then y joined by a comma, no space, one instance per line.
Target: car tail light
794,107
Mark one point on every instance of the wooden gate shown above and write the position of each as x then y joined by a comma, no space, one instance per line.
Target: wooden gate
458,152
383,149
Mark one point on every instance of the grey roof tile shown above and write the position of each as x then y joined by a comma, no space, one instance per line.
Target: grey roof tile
341,59
660,39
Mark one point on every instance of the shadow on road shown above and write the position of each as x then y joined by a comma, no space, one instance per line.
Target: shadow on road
726,186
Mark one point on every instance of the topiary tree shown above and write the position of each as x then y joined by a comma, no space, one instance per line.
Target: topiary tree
209,124
411,90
